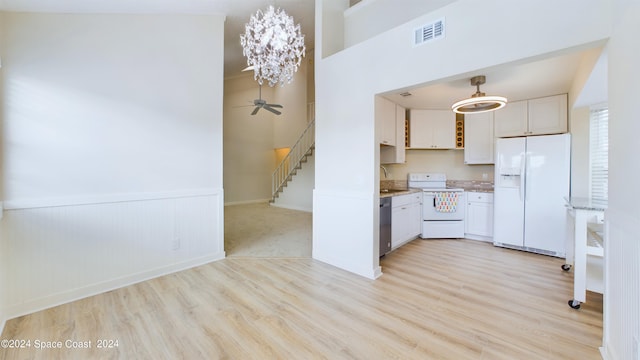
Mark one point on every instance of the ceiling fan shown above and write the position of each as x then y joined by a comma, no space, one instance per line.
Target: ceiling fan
262,104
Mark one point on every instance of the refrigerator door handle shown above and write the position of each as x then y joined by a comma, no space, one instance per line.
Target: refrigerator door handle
526,176
521,189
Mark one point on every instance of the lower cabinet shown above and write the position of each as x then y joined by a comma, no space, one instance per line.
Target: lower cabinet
479,216
406,218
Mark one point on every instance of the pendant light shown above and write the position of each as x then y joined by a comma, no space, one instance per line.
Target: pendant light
479,102
273,45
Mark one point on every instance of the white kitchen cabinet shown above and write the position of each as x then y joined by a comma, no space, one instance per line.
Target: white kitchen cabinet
406,218
548,115
479,138
542,116
432,129
385,115
479,216
396,154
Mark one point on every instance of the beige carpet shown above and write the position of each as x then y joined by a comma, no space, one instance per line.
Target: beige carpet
261,230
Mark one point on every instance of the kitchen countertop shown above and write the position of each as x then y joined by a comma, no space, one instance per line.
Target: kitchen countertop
398,192
400,187
584,203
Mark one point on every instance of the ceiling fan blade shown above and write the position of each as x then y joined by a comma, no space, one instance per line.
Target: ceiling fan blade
255,111
267,107
275,105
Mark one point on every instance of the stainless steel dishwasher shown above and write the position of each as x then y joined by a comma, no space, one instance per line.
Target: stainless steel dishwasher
385,225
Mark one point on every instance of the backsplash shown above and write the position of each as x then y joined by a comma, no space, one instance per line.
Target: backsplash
393,184
467,185
471,185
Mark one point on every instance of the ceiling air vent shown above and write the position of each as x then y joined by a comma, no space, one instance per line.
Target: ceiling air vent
428,32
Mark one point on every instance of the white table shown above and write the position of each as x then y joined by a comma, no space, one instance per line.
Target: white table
577,246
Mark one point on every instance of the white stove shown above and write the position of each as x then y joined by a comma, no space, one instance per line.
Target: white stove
443,208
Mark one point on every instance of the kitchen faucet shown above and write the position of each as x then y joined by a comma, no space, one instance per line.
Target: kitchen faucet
386,172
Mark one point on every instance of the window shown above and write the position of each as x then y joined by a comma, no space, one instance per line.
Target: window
599,153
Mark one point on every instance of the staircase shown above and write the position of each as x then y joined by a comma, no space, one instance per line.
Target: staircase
288,168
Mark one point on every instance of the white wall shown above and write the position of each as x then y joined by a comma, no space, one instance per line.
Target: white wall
579,124
250,140
622,255
112,151
3,260
298,195
372,17
345,206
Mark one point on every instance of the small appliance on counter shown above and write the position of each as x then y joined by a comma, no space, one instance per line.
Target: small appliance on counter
442,208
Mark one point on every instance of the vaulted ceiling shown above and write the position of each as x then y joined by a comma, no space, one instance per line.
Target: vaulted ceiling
516,81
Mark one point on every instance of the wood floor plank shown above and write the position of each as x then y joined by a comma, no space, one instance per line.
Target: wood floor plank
442,299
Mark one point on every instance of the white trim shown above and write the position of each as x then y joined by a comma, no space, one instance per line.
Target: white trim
93,199
604,352
108,285
248,202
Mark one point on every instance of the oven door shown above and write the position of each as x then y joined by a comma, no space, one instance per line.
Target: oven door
430,212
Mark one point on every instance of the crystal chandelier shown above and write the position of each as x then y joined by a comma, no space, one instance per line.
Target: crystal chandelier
273,45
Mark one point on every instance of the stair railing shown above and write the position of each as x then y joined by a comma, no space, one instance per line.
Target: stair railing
293,160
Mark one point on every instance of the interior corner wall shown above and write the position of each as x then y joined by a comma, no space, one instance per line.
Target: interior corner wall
111,151
345,206
249,155
250,140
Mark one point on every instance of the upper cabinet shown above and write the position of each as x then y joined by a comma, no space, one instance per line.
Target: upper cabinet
542,116
396,154
479,139
432,129
385,121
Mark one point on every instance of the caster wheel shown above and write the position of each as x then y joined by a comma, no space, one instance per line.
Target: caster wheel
566,267
574,304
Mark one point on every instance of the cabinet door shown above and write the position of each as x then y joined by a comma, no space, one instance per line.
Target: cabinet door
414,227
511,120
432,129
480,218
396,154
548,115
385,115
479,138
399,222
444,129
406,218
420,130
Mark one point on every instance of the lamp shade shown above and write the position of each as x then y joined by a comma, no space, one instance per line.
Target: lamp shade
479,104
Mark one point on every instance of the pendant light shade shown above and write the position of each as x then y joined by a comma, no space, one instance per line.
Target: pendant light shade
479,102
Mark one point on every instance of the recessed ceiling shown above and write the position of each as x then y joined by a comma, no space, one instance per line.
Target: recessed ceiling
551,76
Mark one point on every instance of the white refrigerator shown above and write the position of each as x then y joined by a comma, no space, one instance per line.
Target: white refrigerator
532,179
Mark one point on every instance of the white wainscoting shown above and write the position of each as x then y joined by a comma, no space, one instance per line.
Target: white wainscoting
58,252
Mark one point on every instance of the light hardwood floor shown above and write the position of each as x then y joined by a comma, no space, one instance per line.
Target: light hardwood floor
437,299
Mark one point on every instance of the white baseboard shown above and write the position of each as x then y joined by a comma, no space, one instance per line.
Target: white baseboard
248,202
102,287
